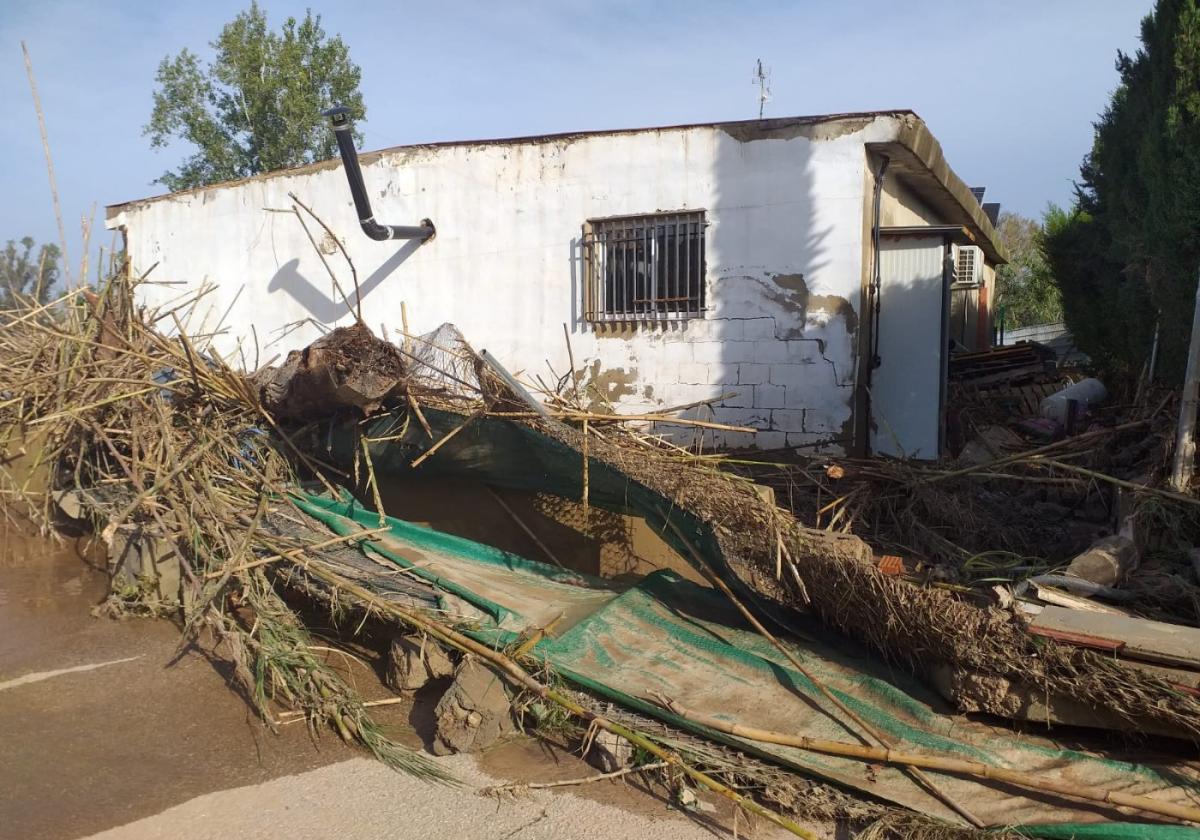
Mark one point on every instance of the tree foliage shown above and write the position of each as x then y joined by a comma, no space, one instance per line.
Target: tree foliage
1024,286
26,274
257,105
1127,254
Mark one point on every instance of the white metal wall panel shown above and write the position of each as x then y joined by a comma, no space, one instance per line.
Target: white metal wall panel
906,388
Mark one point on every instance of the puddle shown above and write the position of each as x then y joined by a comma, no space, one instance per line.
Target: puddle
46,587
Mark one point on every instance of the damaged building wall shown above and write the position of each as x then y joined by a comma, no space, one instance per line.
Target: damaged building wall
783,202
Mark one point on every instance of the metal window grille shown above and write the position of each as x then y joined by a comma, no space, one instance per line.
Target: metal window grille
964,268
644,268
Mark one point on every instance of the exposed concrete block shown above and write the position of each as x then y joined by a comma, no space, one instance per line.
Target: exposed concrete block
136,559
791,376
676,432
474,713
735,440
770,440
804,352
821,423
753,374
758,328
697,329
676,351
727,329
770,350
709,352
811,443
735,416
693,373
737,351
414,661
788,420
743,397
770,396
723,374
713,329
683,393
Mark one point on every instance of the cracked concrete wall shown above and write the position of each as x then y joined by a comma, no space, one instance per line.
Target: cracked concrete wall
784,247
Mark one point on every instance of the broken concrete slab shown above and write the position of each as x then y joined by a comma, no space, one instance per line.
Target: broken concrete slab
973,692
140,561
610,752
474,713
413,661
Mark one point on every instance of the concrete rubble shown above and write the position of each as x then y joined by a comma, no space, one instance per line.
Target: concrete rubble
413,661
474,713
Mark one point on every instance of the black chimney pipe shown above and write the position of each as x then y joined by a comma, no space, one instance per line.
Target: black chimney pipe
339,118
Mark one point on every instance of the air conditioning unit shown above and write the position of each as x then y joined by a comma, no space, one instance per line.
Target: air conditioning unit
968,266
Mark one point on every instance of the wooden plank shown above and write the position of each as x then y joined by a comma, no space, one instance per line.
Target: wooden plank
1185,681
1061,598
1078,639
1153,641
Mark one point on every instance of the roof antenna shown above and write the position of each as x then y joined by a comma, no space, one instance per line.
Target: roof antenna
762,78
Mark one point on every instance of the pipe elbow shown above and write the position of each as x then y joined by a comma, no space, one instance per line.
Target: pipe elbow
375,230
339,120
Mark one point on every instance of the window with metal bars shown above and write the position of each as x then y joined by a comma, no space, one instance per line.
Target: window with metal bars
644,268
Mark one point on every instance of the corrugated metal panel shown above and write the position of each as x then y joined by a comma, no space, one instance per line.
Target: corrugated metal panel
906,388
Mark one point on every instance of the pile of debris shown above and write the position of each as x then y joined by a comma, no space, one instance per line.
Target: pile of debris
238,482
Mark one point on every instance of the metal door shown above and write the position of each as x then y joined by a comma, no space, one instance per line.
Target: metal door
908,387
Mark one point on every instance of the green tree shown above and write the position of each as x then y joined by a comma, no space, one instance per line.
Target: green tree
1024,286
257,106
1108,311
25,275
1138,204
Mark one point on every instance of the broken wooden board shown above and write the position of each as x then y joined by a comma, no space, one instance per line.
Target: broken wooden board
1135,638
1058,597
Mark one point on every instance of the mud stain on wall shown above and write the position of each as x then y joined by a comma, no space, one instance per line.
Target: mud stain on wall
790,293
608,386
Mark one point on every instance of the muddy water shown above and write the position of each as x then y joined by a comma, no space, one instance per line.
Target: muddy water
42,587
104,722
142,730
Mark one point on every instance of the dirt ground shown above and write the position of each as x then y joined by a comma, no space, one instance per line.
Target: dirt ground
108,728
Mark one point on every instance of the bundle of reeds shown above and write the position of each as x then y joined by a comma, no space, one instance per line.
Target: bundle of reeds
151,432
122,407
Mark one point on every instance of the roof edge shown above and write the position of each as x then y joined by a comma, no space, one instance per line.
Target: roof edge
914,135
766,126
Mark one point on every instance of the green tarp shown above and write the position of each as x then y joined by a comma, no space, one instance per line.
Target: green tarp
670,636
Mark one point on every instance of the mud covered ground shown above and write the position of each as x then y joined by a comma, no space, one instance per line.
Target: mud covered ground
108,728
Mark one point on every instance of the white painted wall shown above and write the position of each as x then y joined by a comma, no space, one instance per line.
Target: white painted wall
784,262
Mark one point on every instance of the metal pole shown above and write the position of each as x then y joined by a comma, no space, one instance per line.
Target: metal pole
515,386
1185,439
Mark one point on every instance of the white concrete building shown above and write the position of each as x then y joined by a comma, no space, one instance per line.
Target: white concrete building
734,260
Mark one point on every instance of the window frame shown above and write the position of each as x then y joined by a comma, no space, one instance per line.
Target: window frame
645,267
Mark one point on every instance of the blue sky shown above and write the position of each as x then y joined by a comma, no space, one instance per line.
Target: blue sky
1010,88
